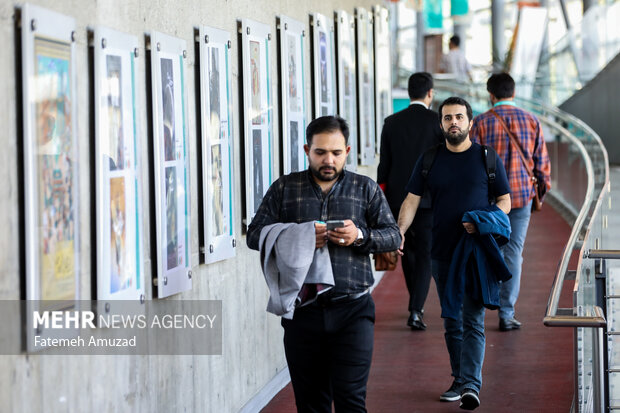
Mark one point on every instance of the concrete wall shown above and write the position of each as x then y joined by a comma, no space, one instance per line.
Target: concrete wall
596,103
252,339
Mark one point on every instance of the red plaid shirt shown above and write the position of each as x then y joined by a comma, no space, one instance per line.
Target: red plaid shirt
487,130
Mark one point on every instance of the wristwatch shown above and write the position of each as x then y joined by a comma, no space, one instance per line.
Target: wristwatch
360,238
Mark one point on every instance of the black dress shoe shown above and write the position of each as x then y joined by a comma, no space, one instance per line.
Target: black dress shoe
506,324
416,321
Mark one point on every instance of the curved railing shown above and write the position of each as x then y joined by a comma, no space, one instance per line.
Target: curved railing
580,181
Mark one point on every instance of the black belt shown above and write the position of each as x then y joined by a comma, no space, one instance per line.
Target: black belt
327,298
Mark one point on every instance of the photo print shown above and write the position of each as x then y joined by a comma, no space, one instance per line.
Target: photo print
167,90
120,276
257,171
255,80
114,112
172,238
54,149
217,207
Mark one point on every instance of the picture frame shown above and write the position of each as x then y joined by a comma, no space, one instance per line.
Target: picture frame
365,86
170,165
118,177
257,121
346,80
51,167
217,144
291,36
323,65
383,72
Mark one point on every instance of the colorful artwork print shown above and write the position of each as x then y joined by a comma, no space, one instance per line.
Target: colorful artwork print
54,158
257,173
214,93
323,66
293,96
167,90
219,225
255,69
172,237
120,276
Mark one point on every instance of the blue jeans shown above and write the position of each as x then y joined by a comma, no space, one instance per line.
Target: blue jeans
513,255
464,337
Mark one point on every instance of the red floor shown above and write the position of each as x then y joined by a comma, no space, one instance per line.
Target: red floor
529,370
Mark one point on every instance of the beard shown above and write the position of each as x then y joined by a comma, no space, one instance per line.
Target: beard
325,173
456,139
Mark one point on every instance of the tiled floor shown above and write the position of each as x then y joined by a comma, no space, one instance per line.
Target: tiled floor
529,370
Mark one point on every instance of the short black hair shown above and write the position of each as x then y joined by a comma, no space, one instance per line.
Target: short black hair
327,124
455,40
419,85
455,100
501,85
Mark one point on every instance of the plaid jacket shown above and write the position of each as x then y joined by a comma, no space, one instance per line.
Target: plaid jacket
487,130
297,198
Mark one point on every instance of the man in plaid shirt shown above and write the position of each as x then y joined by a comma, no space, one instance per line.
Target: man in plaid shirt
488,130
329,343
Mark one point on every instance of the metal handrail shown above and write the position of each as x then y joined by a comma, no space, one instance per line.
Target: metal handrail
551,318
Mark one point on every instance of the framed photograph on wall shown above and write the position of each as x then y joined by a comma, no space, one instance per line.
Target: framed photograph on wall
383,71
216,143
291,35
323,65
51,166
257,113
170,165
365,85
118,178
345,64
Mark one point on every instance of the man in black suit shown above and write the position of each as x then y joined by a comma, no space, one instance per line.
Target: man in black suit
405,137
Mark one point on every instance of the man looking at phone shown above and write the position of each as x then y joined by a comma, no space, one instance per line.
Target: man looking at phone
329,343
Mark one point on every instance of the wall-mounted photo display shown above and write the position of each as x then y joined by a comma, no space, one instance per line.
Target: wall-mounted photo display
365,85
170,165
291,37
216,143
345,64
51,167
257,112
118,178
323,65
383,71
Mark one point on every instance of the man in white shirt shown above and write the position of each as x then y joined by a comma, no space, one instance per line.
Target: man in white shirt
455,62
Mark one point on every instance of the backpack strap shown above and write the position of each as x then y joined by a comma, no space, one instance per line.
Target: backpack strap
490,161
428,158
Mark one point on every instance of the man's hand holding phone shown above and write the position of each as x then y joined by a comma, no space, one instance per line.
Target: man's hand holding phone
341,232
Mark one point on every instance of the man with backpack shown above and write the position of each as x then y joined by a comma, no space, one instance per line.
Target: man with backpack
460,182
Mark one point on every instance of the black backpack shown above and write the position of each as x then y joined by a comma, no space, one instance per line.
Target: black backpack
490,161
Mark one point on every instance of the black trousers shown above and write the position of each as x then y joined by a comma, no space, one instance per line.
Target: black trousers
417,259
329,349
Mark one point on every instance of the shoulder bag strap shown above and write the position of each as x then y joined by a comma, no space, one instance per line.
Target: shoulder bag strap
514,141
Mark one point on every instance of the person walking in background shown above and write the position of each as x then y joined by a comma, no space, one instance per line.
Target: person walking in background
455,61
328,343
406,135
459,184
487,129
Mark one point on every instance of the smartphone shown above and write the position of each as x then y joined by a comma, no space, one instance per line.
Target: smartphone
334,223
